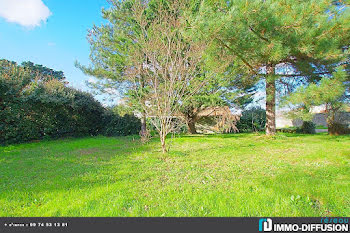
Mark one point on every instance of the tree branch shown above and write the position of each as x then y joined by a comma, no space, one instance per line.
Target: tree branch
238,55
258,35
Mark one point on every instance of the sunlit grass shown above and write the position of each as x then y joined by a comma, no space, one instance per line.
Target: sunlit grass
218,175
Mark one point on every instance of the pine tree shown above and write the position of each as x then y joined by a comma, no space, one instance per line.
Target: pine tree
218,91
274,41
110,46
333,92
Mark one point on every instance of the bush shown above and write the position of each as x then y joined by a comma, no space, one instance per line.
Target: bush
252,120
115,125
288,130
46,110
38,107
308,127
338,129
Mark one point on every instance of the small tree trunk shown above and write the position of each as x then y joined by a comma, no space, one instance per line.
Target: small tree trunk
162,140
270,100
143,132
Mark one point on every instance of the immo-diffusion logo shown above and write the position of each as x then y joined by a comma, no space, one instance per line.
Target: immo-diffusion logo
265,224
325,225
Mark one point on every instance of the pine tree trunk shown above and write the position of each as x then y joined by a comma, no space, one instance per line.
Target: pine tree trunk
270,100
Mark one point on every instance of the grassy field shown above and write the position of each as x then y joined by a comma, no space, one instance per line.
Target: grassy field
218,175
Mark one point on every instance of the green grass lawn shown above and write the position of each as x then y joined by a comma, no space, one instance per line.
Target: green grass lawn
218,175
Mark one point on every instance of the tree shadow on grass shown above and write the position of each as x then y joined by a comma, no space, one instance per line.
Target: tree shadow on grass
318,135
233,135
297,135
49,167
316,191
178,153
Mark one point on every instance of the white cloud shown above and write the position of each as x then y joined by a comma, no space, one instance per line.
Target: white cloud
28,13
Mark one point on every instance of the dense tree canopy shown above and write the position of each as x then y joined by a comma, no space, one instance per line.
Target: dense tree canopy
218,92
110,46
252,120
283,44
143,50
276,41
42,72
332,92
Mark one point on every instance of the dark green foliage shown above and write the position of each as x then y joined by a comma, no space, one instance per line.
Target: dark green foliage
336,128
42,71
289,130
308,127
116,125
46,110
252,120
284,43
332,92
33,108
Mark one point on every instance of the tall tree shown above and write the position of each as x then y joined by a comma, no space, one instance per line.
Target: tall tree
219,91
333,91
167,62
274,41
110,46
134,53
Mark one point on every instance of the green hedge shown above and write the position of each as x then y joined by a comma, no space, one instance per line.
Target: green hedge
33,107
115,125
308,127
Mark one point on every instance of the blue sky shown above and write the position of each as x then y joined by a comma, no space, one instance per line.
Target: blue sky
56,39
53,33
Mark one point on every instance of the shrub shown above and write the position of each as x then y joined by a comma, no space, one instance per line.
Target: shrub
47,110
338,129
308,127
41,107
288,130
116,125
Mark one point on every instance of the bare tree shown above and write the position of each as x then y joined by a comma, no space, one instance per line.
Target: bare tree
167,63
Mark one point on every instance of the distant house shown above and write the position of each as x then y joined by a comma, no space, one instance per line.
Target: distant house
319,118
